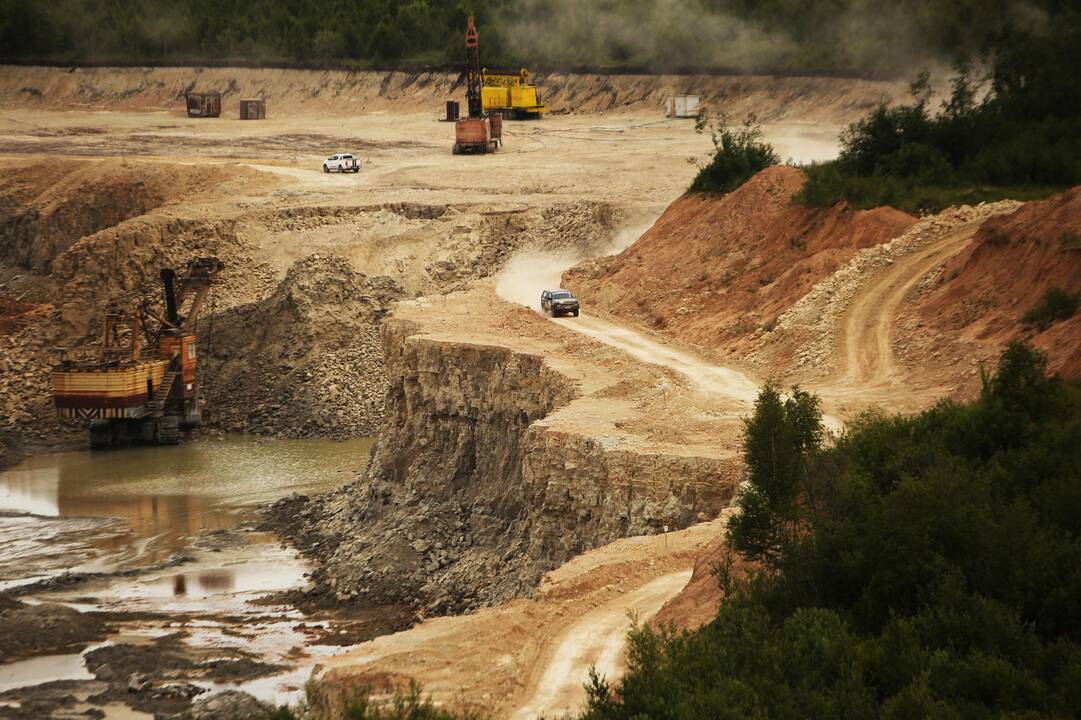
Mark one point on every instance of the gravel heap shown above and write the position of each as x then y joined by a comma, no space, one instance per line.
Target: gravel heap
814,317
306,361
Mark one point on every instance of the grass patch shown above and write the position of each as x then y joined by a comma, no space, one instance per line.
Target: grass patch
1055,306
828,183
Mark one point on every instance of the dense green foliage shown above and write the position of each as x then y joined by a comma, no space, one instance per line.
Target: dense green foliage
738,153
861,36
262,30
921,567
1024,132
1056,304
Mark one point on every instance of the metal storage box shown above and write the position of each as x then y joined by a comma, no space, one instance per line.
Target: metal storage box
253,109
682,106
203,104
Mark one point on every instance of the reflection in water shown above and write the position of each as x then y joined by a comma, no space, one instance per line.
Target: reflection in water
219,580
165,495
216,580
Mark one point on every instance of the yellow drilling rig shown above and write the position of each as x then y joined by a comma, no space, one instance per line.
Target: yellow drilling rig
141,385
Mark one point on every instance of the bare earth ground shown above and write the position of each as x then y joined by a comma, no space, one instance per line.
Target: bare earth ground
530,656
539,666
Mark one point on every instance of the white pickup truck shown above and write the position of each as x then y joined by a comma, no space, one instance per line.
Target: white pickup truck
342,162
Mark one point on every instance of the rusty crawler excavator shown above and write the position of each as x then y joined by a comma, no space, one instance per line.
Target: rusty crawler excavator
477,133
141,385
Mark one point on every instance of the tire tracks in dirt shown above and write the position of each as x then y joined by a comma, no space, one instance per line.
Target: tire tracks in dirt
865,344
597,641
707,377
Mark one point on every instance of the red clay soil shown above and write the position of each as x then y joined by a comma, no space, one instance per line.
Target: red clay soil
1010,265
699,602
713,268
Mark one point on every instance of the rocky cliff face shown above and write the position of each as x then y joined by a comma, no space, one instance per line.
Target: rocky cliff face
473,491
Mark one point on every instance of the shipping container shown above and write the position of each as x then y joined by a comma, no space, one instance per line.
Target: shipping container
683,106
203,104
253,109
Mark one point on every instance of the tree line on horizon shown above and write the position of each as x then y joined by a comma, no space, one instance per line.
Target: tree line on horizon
850,36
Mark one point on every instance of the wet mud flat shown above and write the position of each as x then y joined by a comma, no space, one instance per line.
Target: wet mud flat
135,584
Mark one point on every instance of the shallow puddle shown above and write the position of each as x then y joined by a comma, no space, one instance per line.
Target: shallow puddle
100,512
24,673
160,496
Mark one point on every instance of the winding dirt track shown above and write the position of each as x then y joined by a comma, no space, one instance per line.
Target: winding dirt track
715,381
598,640
868,370
707,377
865,350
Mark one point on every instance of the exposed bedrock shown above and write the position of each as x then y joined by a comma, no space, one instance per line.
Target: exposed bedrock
473,490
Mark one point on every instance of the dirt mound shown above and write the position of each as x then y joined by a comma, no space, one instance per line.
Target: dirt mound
713,269
339,92
306,361
982,294
806,335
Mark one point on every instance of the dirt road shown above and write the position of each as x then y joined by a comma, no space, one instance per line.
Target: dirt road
865,353
530,658
705,376
708,378
597,641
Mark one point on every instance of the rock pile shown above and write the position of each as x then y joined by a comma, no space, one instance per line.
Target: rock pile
27,417
583,227
304,362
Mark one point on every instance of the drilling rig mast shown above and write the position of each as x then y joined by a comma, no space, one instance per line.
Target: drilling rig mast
476,133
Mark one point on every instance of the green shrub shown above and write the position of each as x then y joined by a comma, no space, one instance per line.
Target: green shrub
1056,305
1023,132
738,154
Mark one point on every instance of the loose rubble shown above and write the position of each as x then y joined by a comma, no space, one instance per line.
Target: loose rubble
304,362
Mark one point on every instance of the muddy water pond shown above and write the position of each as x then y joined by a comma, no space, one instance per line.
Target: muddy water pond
160,543
98,510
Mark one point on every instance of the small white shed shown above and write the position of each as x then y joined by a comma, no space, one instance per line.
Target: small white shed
682,106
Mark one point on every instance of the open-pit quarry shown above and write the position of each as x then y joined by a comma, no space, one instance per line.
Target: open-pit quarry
407,471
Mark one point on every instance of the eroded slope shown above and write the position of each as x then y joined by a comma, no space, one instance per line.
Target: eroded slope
714,269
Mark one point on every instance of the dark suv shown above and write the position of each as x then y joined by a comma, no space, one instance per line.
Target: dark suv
559,302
